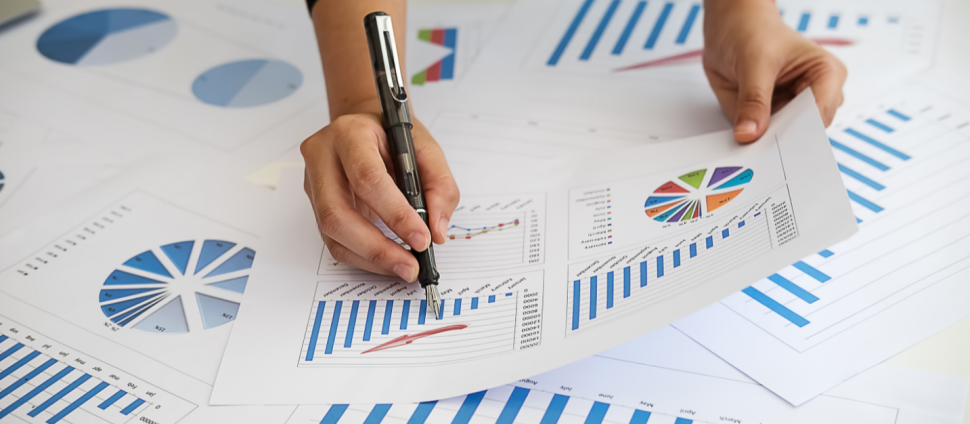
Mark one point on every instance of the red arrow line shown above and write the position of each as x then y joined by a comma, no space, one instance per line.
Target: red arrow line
408,339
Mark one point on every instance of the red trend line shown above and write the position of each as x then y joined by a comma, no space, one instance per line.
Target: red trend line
408,339
688,56
482,231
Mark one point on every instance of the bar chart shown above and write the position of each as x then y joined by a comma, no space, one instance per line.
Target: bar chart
42,381
625,35
387,329
898,159
495,231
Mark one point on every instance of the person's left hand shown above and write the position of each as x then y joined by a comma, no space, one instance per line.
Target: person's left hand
756,64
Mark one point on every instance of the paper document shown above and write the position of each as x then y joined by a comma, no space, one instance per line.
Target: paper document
665,378
536,277
813,325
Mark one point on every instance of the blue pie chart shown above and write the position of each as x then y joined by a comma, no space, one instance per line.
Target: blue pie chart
106,36
247,83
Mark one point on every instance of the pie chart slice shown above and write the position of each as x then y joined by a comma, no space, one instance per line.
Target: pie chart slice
247,83
107,36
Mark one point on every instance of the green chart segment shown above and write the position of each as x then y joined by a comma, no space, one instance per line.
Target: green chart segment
692,195
151,290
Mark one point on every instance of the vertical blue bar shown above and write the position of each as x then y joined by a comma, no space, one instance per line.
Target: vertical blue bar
592,297
793,288
21,381
833,21
683,421
349,338
861,178
422,312
576,294
775,306
10,351
369,325
468,408
57,396
37,390
111,400
628,29
856,154
332,337
377,414
879,125
864,202
442,309
660,266
693,249
803,21
676,258
405,311
877,144
420,414
640,417
863,20
725,233
77,403
512,406
609,290
741,224
554,411
448,63
892,112
604,22
811,271
659,26
334,414
16,365
457,306
570,32
312,347
643,274
474,303
491,299
710,242
626,282
388,308
826,253
597,413
132,407
685,30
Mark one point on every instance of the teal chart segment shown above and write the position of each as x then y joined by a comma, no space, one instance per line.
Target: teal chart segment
247,83
178,287
107,36
2,180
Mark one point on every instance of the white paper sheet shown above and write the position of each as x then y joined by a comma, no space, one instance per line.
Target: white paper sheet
900,280
665,377
559,278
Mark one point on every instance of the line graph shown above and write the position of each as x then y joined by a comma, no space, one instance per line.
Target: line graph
477,231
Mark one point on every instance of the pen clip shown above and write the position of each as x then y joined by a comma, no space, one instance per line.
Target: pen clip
392,64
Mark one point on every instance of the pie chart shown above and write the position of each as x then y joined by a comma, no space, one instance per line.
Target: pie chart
697,193
247,83
179,287
106,36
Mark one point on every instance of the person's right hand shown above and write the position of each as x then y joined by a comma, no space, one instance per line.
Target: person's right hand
350,185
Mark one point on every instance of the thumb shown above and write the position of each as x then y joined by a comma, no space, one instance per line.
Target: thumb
755,87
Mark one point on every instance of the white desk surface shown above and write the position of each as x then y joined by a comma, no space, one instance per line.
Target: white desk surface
947,352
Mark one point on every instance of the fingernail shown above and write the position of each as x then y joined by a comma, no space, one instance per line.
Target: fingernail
746,128
419,241
405,272
443,227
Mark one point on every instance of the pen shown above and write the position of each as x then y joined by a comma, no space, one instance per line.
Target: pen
396,116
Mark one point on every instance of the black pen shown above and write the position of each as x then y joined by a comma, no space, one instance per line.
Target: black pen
397,123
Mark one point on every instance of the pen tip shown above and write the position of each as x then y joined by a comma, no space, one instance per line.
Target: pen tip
434,299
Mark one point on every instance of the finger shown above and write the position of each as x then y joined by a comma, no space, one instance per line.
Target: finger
827,87
367,175
755,87
440,190
342,254
337,219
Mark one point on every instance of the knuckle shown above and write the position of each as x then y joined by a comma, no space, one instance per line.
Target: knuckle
369,178
377,256
398,217
338,252
328,219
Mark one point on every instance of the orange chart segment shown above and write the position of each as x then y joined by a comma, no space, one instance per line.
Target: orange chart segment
715,201
659,209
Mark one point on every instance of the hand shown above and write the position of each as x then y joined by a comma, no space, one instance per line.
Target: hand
349,186
756,64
